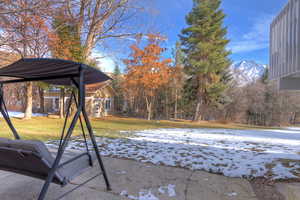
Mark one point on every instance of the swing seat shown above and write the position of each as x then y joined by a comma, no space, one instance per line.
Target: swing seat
32,158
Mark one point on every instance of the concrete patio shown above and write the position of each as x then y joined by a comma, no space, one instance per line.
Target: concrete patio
134,180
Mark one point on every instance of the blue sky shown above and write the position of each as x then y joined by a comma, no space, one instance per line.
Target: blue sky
247,21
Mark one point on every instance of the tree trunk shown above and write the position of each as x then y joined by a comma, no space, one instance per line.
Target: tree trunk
176,104
149,108
149,111
28,109
197,115
167,106
61,102
42,100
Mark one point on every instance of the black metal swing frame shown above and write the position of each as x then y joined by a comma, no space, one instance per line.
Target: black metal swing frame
65,136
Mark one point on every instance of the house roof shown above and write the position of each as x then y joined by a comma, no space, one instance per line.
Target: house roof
99,86
53,71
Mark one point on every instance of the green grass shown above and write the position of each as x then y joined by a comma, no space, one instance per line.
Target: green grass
43,128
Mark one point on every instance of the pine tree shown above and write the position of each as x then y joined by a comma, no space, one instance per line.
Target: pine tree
178,55
116,77
65,44
265,76
206,58
116,85
177,77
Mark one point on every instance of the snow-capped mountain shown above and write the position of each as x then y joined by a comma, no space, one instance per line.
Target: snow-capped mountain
247,71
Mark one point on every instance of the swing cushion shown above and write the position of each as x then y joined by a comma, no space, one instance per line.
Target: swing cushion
32,158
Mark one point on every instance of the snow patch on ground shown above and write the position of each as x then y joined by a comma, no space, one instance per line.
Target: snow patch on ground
121,172
21,114
170,190
148,194
232,194
143,195
234,153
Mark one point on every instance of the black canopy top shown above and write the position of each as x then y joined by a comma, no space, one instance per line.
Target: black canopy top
53,71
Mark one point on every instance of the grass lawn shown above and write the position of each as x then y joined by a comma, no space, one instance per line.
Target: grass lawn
43,128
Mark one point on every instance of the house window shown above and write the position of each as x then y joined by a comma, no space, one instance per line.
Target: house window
56,104
107,104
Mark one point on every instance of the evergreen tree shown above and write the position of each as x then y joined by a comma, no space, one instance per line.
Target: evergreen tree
116,84
116,77
206,58
177,78
65,44
178,55
265,76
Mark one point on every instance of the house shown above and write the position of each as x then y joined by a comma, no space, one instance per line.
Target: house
285,47
14,94
99,99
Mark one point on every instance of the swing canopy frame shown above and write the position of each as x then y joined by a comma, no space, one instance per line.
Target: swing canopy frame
32,158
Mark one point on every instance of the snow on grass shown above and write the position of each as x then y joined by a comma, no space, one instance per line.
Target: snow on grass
21,114
234,153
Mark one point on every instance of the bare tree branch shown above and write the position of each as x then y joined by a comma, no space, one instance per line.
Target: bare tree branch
97,20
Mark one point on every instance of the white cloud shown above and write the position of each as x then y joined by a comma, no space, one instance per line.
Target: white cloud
256,39
106,63
247,46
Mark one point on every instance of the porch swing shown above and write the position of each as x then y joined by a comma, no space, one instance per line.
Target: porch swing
33,158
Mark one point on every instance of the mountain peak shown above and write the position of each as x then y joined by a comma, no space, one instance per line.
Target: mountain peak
247,71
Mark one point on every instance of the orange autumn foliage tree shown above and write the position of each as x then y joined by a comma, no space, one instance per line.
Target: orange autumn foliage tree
24,30
147,72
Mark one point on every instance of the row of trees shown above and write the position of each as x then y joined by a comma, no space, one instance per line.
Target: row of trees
259,102
196,78
197,83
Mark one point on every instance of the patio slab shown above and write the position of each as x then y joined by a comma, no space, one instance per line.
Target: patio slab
133,180
291,191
